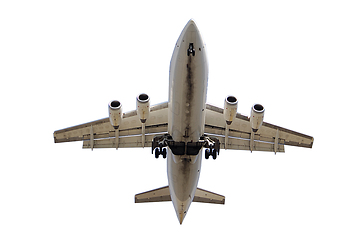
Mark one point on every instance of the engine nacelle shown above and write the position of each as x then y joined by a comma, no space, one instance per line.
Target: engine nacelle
230,109
256,117
115,113
143,106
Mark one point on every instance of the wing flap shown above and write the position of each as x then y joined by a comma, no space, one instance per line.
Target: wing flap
245,144
123,142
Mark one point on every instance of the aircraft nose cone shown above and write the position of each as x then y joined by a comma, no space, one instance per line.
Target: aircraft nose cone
192,21
190,34
191,26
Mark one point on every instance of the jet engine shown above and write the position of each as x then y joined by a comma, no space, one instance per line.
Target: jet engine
256,116
115,113
143,106
230,109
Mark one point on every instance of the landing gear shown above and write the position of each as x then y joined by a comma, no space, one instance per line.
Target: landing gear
159,144
164,152
191,50
210,152
207,154
157,152
212,146
214,154
160,151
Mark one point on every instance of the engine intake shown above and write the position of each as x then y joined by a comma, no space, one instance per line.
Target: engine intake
115,113
256,116
230,109
143,106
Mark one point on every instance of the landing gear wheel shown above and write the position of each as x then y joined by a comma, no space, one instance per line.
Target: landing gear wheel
164,152
207,154
157,152
214,154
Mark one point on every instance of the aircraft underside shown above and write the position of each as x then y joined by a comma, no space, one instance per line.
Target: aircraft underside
184,127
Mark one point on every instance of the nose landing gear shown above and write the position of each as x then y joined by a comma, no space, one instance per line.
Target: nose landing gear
191,50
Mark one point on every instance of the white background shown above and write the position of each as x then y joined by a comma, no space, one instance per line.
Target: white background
61,62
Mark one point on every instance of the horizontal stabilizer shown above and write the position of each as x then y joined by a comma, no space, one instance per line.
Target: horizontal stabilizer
163,194
204,196
156,195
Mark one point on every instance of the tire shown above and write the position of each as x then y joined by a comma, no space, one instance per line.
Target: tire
207,154
157,152
214,154
164,152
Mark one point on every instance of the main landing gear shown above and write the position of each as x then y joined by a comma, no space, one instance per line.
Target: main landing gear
160,144
210,152
160,151
212,146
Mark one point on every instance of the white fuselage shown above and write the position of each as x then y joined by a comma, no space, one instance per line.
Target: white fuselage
187,98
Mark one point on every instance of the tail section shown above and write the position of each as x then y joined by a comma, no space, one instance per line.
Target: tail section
204,196
163,194
156,195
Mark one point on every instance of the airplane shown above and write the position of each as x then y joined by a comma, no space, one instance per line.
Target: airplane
184,127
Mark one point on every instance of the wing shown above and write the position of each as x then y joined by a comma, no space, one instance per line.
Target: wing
131,133
240,136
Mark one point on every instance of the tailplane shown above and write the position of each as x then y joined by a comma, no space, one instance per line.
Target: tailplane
163,194
156,195
204,196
